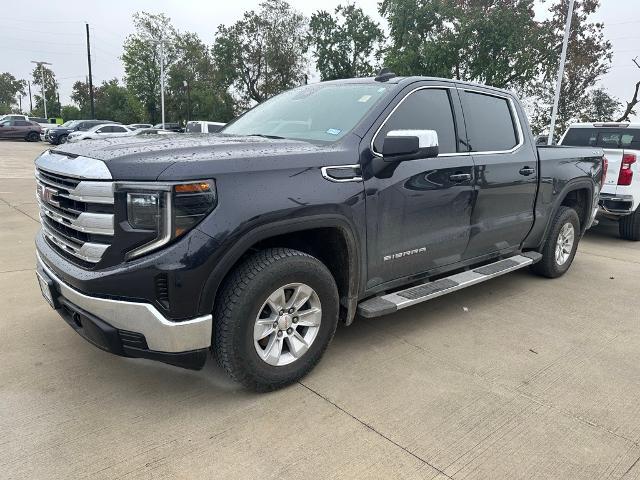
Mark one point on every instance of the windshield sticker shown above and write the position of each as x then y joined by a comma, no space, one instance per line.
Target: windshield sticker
334,131
364,98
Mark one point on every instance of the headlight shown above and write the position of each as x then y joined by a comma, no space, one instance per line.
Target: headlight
167,211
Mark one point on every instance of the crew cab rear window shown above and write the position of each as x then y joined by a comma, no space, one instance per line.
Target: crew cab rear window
194,127
489,121
603,137
426,109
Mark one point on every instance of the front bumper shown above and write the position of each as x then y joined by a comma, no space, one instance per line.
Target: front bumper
132,329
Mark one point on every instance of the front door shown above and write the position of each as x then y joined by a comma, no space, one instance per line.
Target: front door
418,211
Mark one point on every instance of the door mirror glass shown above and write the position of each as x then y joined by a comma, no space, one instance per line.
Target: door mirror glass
402,145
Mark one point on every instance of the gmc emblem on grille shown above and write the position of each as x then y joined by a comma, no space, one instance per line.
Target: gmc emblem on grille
46,194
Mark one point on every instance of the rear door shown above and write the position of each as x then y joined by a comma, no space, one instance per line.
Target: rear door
506,172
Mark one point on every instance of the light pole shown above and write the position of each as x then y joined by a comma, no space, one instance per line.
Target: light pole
161,41
44,95
563,57
186,85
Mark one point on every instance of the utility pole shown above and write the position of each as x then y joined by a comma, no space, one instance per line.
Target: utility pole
20,101
563,57
44,95
93,107
30,99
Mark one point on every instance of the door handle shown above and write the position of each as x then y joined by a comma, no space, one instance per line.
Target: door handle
460,177
526,171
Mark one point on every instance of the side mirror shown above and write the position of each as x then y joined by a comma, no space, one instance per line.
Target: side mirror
400,145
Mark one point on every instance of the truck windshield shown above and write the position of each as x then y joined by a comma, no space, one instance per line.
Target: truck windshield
323,112
603,137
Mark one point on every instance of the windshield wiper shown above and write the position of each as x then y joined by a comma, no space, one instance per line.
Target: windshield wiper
265,136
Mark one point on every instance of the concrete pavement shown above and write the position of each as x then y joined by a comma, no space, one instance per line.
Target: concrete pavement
520,377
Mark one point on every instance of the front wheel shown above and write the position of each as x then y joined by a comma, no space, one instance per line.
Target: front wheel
62,139
561,244
629,226
274,318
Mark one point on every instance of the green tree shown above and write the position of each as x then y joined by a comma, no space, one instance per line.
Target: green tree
205,95
602,107
496,42
263,53
10,87
141,59
114,102
80,96
589,57
71,112
345,44
50,90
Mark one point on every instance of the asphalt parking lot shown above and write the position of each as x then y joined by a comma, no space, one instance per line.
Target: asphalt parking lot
520,377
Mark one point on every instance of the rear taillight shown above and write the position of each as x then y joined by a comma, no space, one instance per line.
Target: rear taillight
626,173
605,167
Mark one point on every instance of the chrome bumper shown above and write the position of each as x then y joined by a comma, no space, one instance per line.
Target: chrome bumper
162,335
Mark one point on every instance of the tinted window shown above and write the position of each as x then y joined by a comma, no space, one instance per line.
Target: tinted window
117,129
194,127
427,109
489,123
603,137
214,128
22,123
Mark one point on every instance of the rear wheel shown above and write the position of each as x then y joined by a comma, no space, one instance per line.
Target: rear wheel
33,137
274,318
629,226
561,244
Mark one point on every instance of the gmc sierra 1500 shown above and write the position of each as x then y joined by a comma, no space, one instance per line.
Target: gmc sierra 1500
355,196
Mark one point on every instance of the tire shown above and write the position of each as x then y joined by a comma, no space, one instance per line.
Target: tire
551,266
33,137
242,303
62,139
629,226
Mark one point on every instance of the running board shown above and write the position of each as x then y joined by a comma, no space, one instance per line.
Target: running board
392,302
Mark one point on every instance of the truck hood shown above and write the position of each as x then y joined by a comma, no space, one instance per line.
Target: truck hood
192,156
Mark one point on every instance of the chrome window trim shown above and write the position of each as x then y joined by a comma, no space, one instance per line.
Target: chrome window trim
514,117
76,167
424,87
325,174
514,112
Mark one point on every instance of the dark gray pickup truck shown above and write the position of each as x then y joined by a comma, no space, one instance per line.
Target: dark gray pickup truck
329,201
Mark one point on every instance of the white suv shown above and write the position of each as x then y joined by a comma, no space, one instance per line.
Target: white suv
620,196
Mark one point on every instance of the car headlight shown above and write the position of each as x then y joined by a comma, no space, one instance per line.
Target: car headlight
167,211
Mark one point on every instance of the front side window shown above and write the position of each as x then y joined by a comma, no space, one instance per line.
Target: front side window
490,123
426,109
323,112
194,127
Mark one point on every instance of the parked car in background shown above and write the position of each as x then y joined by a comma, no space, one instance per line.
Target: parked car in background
43,122
59,135
44,134
152,131
18,128
174,127
136,126
620,196
203,127
361,195
104,130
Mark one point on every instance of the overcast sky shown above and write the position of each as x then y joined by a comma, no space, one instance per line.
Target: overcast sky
55,32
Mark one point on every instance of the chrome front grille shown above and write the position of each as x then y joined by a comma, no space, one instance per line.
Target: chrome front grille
76,214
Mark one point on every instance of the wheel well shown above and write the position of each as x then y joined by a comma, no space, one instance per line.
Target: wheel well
327,244
580,201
